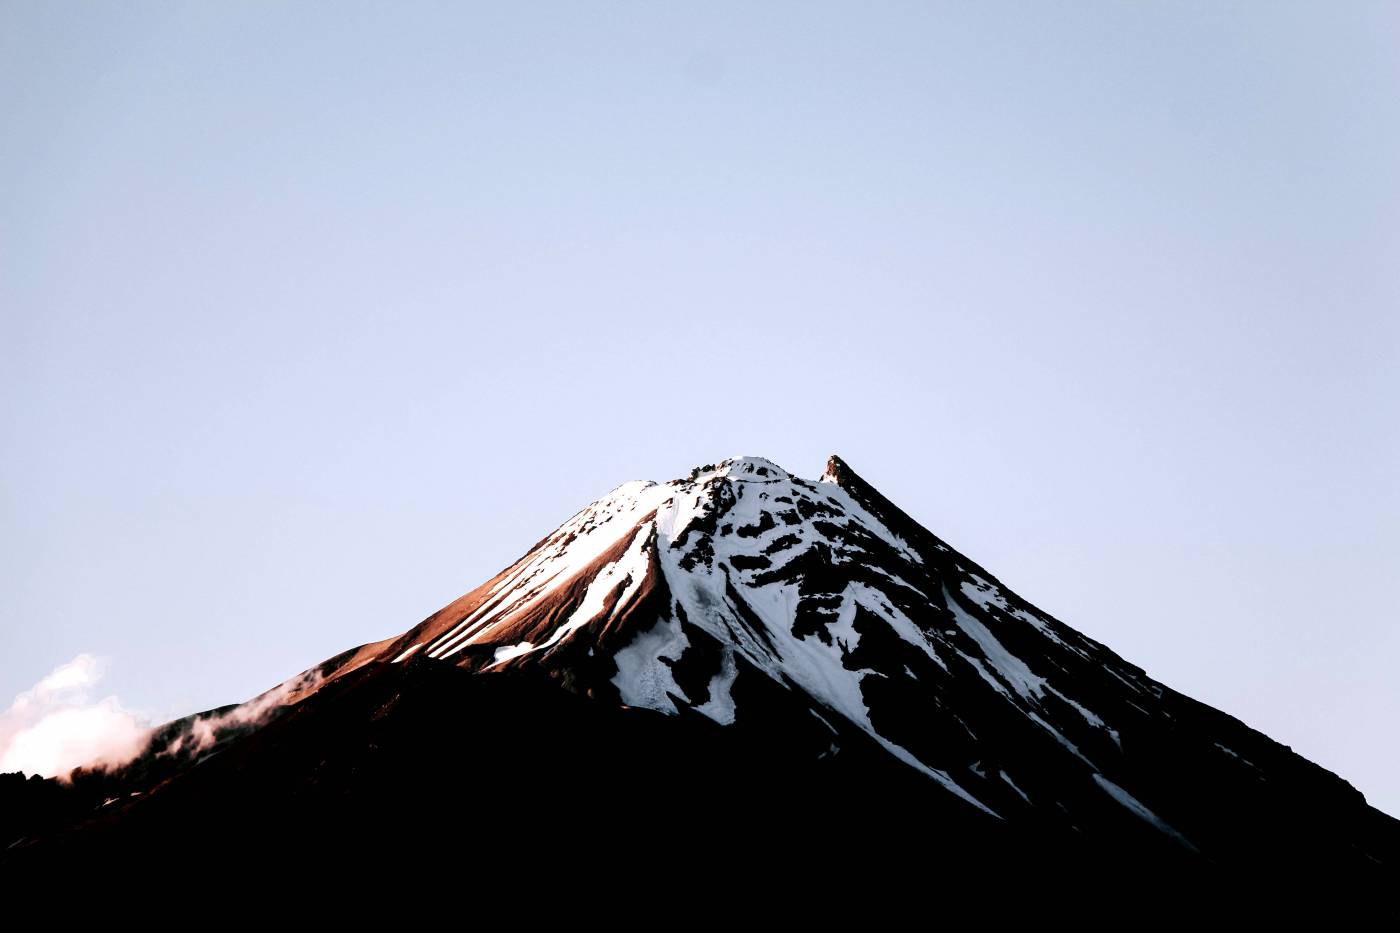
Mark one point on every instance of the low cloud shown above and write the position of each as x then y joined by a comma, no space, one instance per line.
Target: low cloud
206,730
58,724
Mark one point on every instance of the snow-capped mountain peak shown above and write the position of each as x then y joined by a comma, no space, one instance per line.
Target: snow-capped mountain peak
738,619
686,595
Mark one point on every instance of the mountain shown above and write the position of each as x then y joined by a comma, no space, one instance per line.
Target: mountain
707,678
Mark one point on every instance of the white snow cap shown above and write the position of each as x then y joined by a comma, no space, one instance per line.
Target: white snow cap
744,467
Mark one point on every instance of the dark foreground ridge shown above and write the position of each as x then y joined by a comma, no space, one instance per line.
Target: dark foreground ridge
729,682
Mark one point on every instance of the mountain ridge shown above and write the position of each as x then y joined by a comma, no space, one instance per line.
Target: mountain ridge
813,624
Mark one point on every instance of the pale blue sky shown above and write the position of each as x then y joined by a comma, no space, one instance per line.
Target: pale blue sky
313,316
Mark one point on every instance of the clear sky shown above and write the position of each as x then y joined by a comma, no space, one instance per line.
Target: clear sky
314,316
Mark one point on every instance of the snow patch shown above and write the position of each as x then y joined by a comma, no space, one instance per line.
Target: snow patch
643,678
1007,778
720,706
1133,805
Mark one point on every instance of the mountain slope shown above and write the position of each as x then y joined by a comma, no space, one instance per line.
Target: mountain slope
808,637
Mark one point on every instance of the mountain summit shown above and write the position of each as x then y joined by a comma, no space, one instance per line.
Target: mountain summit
739,658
